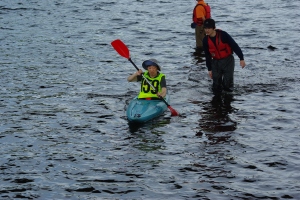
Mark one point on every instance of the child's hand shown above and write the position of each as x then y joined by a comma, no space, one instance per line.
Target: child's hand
159,94
138,73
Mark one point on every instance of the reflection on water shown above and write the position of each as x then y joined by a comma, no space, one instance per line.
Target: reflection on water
134,127
147,142
151,125
199,56
216,114
147,136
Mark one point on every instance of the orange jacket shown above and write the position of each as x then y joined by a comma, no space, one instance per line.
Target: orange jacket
199,13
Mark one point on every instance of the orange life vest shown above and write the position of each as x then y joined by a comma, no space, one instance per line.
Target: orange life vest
207,14
218,50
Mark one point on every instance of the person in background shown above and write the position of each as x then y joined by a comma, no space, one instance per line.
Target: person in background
154,76
218,47
199,14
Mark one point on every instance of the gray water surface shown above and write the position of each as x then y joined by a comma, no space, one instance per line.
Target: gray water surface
63,96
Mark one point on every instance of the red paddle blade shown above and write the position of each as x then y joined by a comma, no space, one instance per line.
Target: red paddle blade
173,111
121,48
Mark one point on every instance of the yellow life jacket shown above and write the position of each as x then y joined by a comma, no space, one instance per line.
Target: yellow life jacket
146,90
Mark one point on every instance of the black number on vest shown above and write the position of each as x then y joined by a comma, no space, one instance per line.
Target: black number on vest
146,87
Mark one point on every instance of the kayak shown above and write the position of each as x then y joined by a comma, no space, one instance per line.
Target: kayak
142,110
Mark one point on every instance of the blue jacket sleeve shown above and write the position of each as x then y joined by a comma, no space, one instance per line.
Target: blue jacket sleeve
226,38
207,54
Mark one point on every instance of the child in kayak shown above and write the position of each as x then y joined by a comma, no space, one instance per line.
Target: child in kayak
154,76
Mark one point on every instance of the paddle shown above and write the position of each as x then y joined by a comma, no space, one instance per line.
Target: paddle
122,49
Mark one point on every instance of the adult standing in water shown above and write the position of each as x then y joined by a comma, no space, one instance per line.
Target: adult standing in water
218,47
199,15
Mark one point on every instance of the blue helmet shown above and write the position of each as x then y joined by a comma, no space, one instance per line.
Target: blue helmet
151,62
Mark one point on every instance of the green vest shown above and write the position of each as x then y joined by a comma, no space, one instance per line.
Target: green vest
146,90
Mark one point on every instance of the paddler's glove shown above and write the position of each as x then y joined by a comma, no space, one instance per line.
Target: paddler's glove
193,25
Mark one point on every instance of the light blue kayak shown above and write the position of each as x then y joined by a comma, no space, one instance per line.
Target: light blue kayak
141,110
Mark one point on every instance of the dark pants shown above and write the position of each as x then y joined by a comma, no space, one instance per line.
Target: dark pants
199,34
222,74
